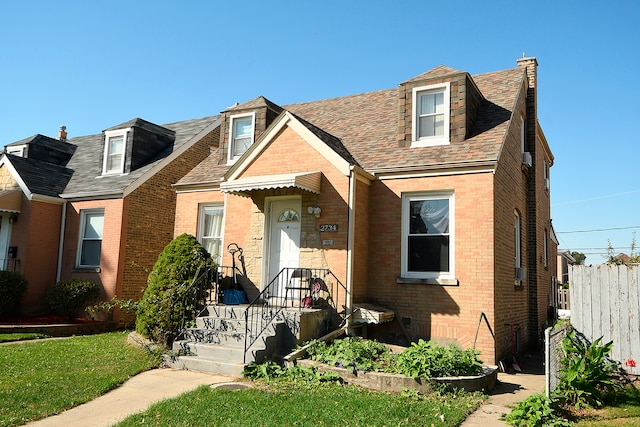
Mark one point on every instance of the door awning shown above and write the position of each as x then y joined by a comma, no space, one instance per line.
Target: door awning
11,200
308,181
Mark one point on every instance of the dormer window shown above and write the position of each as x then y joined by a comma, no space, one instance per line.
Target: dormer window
240,135
114,149
431,115
16,150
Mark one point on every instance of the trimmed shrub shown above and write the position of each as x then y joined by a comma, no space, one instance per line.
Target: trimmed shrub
168,301
70,297
12,288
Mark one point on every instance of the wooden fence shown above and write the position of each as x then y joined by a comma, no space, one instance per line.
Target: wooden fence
564,300
605,302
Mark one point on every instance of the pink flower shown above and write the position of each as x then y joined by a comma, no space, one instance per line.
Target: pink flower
631,363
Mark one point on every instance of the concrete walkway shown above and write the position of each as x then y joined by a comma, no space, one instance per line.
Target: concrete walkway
134,396
510,389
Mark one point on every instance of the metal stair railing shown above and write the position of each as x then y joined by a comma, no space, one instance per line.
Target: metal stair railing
302,288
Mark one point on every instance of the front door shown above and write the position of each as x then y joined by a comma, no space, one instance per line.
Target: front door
284,239
5,235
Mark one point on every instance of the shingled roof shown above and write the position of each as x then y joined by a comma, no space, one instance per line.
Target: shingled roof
363,128
82,175
46,179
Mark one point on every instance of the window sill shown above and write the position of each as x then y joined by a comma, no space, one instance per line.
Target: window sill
429,142
86,270
416,281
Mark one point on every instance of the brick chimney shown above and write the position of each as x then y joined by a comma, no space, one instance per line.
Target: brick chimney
531,65
62,133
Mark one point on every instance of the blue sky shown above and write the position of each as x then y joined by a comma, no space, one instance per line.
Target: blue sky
91,65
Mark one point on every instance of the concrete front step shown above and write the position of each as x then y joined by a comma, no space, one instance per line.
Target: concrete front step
220,324
209,351
210,336
202,364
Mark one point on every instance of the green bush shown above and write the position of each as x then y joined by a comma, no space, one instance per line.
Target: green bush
355,352
536,410
426,359
69,297
12,288
168,299
587,375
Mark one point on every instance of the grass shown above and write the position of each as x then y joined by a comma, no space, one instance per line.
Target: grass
624,411
42,378
331,404
20,337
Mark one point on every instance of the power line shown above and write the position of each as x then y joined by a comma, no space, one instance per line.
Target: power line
595,198
598,229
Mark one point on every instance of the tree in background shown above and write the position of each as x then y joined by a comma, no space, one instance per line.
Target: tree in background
579,257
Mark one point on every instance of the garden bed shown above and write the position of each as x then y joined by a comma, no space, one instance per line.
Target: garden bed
396,382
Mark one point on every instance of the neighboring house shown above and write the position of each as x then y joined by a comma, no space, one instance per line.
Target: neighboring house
99,207
565,260
430,199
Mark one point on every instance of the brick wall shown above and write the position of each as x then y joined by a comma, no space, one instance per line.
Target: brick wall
36,235
443,313
110,258
511,180
150,217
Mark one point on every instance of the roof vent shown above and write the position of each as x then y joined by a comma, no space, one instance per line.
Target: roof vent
62,133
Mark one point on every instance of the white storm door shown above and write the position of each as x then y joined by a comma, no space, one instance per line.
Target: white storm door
5,235
284,240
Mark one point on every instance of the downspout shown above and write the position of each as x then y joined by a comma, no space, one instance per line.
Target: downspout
350,242
63,222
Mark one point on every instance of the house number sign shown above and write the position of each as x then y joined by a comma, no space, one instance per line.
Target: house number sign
328,227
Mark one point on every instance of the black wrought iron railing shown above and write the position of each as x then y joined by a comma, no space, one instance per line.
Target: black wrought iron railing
299,288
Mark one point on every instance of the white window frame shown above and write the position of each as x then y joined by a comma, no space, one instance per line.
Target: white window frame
428,141
517,240
407,198
16,150
522,136
81,236
109,135
232,137
546,249
202,210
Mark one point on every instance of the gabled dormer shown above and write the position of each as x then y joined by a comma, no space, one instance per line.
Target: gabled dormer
133,144
242,124
437,108
42,148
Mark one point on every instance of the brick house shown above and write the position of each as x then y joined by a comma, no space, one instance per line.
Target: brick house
430,199
100,207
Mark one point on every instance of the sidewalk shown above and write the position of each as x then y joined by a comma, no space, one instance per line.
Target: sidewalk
510,389
134,396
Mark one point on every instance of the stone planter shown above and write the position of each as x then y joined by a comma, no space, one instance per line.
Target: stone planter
396,382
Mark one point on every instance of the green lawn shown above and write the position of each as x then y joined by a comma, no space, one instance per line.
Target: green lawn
43,377
330,405
624,412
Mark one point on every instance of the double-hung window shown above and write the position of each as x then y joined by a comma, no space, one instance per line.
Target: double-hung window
210,223
90,241
427,235
431,110
240,135
114,150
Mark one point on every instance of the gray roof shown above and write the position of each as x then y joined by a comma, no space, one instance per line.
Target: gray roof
40,177
82,177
